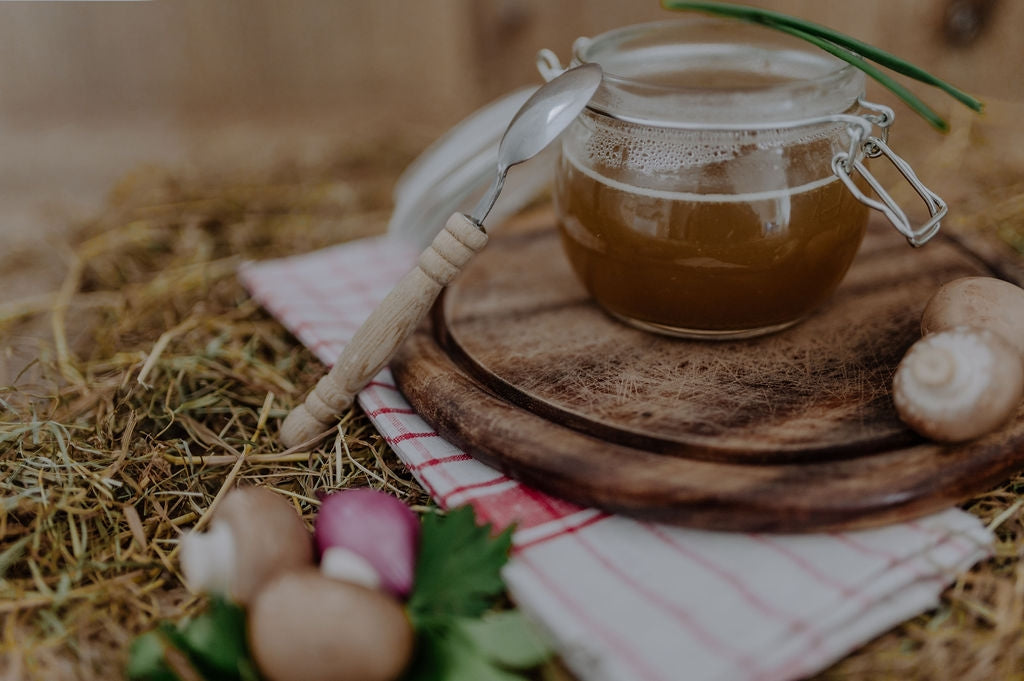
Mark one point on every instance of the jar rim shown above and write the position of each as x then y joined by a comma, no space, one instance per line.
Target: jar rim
805,82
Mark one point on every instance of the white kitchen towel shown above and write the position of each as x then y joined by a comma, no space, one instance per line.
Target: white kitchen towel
626,600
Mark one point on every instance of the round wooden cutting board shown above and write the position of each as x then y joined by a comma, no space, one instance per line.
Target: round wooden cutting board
791,432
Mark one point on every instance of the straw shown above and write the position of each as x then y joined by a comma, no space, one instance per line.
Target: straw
99,477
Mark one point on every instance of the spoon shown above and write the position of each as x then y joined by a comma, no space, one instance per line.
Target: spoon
537,123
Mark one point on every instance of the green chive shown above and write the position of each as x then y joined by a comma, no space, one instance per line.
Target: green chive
857,46
908,97
848,49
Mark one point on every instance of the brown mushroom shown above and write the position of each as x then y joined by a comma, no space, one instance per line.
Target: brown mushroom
304,626
958,384
255,534
984,302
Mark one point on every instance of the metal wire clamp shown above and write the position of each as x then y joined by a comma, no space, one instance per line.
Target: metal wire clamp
873,147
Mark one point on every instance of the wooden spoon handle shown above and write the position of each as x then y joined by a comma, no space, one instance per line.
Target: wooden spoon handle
387,327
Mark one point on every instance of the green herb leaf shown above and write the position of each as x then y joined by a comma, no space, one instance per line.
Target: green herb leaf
458,577
849,49
458,572
908,97
216,641
213,645
444,651
146,659
507,639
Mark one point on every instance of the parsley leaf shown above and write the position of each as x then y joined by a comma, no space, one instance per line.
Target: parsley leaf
458,572
498,647
212,645
458,579
506,639
445,653
146,659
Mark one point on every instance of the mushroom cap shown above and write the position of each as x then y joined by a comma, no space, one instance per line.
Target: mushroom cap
986,302
958,384
304,626
265,534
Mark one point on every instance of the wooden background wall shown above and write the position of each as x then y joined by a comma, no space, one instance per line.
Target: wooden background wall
90,90
393,60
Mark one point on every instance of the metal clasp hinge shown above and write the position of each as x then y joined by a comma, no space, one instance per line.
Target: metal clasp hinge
874,147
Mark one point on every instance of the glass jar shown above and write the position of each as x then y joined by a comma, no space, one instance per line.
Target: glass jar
714,187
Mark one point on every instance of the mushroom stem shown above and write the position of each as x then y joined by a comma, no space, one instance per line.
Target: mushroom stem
209,559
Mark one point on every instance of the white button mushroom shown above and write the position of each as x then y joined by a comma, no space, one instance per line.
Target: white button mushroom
304,626
984,302
255,534
958,384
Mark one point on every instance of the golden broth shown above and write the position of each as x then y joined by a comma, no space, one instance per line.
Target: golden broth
686,261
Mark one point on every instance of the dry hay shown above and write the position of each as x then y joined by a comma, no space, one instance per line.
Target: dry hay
162,384
161,392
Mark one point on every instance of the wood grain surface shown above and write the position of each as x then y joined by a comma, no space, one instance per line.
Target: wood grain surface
791,432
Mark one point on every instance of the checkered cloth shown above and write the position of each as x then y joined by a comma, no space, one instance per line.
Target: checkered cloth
622,599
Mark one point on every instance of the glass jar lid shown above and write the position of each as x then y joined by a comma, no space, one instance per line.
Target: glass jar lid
707,71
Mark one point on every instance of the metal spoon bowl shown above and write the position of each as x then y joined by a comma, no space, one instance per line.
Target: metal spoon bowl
541,119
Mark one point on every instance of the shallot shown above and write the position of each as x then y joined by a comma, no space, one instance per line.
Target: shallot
374,526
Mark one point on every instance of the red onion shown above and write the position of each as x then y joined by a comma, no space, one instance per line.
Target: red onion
376,526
